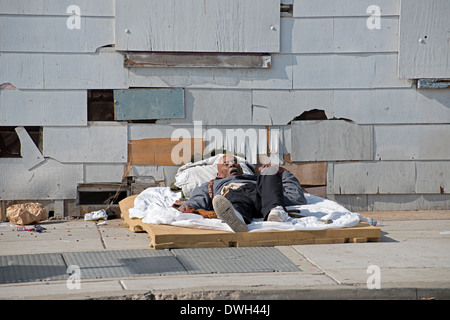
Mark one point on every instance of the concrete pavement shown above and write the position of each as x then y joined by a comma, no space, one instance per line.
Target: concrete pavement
411,261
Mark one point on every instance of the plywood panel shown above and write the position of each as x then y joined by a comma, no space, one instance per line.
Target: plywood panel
143,104
198,26
57,7
279,76
99,142
49,180
331,8
43,108
330,140
22,70
424,39
356,71
309,174
334,35
383,177
412,142
158,151
50,34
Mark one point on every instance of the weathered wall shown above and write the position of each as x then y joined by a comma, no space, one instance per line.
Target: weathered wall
384,145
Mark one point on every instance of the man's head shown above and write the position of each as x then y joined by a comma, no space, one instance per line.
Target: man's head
228,166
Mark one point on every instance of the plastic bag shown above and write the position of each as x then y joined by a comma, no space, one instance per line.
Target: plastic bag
26,213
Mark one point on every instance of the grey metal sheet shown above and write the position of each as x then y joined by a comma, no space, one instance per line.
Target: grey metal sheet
32,267
234,260
123,263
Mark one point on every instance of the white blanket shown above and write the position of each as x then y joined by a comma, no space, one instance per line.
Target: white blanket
154,206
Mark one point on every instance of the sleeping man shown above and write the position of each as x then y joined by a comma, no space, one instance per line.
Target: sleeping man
237,198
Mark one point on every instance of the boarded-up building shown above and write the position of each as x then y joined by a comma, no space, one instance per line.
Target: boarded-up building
353,97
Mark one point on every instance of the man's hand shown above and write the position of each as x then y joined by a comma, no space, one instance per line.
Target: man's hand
187,209
269,165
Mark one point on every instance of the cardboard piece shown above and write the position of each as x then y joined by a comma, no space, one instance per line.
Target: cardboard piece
169,237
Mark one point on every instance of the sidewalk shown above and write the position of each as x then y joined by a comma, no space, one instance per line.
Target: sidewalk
411,261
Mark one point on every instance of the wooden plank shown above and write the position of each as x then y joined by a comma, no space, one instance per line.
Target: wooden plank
50,180
309,174
373,177
412,142
43,108
158,151
200,60
347,8
95,8
31,155
144,104
22,70
279,76
330,140
198,26
341,71
28,33
424,47
167,237
338,35
100,142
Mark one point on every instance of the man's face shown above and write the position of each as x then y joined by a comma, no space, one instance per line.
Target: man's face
228,167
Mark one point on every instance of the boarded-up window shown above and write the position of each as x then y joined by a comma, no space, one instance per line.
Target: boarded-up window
424,39
10,142
198,25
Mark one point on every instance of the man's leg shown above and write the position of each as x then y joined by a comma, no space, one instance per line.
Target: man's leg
269,194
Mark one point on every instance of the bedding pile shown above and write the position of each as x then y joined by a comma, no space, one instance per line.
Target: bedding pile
154,205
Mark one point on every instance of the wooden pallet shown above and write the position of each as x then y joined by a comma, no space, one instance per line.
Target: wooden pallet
169,237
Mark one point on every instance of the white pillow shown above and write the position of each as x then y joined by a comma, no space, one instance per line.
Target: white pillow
195,174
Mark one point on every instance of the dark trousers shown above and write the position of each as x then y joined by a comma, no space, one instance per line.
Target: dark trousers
256,201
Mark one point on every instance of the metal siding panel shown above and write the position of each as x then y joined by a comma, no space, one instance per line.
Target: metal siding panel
50,34
374,177
356,71
412,142
433,176
338,35
102,70
49,180
279,76
218,107
142,104
57,7
331,140
100,142
198,26
31,155
23,70
424,47
43,108
332,8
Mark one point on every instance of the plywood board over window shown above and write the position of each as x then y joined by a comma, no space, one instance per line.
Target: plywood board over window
424,39
198,25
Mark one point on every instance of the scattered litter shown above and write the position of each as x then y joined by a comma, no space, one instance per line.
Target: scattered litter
96,215
444,232
26,213
37,228
102,223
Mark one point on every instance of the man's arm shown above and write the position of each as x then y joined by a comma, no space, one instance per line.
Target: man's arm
198,200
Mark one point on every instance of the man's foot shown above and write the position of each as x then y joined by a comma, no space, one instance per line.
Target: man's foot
278,214
225,211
